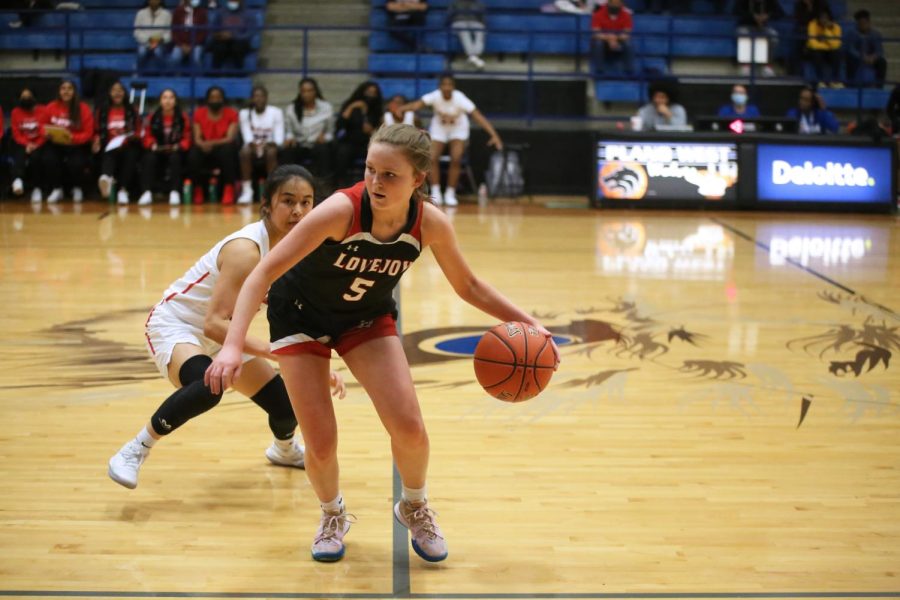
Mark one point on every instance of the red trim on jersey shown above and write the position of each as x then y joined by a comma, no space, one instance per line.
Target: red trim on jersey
188,288
149,343
379,327
355,194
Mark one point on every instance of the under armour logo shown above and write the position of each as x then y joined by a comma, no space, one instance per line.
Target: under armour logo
298,304
164,424
353,248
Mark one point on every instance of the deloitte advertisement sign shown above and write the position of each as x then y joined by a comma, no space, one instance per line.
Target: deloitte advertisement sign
838,174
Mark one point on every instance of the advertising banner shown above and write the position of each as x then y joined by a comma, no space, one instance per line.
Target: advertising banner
658,171
839,174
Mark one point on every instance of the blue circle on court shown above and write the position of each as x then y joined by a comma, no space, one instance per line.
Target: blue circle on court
466,345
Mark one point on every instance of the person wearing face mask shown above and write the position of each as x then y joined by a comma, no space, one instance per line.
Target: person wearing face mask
231,33
262,130
28,138
359,117
216,128
153,33
739,106
611,43
189,34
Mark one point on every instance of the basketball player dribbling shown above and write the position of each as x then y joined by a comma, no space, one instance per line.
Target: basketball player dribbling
331,281
185,329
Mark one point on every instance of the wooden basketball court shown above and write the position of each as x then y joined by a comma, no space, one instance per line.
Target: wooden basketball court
725,422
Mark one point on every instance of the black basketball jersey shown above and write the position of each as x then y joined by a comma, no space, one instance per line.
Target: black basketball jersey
343,283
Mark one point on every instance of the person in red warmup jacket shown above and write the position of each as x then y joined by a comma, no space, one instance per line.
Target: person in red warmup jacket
216,127
28,139
167,137
70,127
117,141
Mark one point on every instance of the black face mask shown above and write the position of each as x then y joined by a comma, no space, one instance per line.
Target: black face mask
26,103
215,106
613,10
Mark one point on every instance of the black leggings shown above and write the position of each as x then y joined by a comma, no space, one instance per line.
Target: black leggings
62,164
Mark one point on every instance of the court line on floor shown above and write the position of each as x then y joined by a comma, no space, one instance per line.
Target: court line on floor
451,596
787,259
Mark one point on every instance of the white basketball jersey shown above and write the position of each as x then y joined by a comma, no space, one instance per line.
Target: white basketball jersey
187,298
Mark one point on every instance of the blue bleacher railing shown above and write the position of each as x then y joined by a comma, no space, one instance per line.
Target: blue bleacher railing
657,41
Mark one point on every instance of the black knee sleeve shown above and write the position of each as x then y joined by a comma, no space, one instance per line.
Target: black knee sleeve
193,369
193,399
273,398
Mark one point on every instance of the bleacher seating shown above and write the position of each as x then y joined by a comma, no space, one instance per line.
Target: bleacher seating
101,37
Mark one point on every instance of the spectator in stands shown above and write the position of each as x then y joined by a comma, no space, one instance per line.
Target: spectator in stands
117,132
811,115
823,48
755,19
865,52
167,137
189,34
233,27
262,132
309,125
30,11
215,133
466,17
449,128
152,32
611,43
804,12
661,110
393,112
738,107
359,117
26,145
404,18
69,126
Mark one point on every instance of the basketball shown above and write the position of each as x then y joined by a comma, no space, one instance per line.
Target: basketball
514,361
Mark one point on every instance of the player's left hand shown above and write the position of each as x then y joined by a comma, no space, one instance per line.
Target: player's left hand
338,388
543,330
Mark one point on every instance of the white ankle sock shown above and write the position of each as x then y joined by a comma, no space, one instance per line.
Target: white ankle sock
284,444
411,495
335,506
145,439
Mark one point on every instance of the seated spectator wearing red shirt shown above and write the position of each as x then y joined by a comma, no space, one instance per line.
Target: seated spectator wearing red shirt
611,43
188,33
215,145
167,137
26,145
66,150
117,141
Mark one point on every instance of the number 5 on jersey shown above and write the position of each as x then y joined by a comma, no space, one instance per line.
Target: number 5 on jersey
359,287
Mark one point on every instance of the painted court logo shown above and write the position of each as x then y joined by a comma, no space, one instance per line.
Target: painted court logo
829,174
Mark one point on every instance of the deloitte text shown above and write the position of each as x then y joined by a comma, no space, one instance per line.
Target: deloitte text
832,174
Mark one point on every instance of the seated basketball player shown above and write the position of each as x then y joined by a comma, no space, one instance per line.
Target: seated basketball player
331,282
185,329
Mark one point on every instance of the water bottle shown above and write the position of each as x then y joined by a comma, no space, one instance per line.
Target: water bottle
187,191
112,192
482,194
214,189
261,188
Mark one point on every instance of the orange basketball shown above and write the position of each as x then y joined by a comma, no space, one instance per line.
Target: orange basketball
514,361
